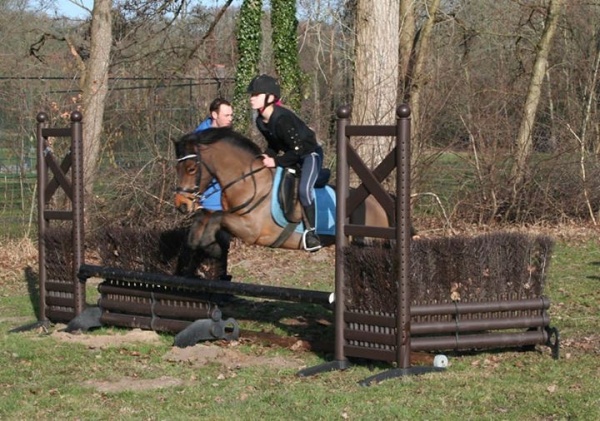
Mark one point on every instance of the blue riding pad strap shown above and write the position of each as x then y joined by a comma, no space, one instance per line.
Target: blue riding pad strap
324,206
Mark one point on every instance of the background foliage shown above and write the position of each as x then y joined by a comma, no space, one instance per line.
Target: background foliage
285,50
166,70
249,39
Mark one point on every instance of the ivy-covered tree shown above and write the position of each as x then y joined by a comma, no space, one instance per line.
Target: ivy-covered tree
249,39
285,50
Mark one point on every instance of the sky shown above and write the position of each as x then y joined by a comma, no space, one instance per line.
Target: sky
67,8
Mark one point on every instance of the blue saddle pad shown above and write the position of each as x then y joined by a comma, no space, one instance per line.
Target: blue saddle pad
324,208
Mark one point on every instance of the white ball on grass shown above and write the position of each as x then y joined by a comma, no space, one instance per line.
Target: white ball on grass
440,361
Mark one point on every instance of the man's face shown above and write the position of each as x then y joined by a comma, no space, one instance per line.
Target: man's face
223,117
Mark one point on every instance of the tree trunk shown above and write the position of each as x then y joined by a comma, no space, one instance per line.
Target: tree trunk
587,114
417,78
94,85
376,71
407,38
524,142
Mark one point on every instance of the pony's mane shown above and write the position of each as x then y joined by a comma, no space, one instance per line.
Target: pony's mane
212,135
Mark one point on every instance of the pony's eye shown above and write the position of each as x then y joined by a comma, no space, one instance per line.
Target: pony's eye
191,169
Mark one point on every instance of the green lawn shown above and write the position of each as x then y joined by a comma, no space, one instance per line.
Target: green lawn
43,376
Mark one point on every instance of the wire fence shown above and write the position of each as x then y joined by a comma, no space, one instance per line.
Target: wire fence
142,117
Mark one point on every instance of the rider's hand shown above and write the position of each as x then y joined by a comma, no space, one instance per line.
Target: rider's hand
268,161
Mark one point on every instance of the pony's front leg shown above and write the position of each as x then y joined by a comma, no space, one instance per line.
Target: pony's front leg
208,238
188,262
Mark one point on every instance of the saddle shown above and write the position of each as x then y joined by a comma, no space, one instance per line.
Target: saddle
287,194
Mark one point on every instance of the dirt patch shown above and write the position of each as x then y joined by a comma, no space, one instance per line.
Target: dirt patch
106,341
229,357
127,384
222,353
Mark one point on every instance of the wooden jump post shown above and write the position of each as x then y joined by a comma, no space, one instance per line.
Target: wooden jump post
388,337
398,213
62,296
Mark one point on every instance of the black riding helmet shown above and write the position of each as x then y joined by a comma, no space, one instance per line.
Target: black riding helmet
264,84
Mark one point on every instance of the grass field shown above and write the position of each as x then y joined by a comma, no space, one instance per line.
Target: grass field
119,374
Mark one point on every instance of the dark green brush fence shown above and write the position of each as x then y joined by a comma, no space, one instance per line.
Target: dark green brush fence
465,292
151,250
140,249
149,306
485,267
128,303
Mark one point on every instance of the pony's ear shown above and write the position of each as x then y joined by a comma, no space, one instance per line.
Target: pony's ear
179,145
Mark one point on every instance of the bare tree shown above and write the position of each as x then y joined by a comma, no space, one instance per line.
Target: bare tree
94,86
591,94
376,69
524,142
93,63
407,38
416,75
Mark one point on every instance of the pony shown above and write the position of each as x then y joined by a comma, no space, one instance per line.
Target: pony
248,191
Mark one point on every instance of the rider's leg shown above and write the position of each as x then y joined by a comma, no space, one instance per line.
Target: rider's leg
311,240
311,166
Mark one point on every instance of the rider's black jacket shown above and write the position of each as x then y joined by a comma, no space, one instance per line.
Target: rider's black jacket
286,132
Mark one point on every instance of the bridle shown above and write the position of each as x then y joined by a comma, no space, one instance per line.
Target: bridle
194,193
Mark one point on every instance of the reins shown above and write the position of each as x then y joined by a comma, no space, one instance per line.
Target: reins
196,193
242,177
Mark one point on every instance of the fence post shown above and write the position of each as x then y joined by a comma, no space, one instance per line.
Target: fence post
403,234
77,177
42,175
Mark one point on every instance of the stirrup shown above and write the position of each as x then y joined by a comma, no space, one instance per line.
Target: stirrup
305,245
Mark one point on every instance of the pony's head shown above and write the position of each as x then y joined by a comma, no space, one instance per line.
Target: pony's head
197,163
189,174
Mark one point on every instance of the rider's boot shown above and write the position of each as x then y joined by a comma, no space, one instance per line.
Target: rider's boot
310,239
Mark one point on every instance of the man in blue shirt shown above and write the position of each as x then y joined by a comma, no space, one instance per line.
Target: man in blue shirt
206,234
221,115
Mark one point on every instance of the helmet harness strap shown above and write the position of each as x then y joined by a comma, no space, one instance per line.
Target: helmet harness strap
266,104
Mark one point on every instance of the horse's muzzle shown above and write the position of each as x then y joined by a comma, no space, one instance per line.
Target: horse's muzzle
184,204
183,208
